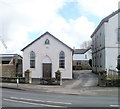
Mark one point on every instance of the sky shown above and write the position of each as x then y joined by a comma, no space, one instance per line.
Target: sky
71,21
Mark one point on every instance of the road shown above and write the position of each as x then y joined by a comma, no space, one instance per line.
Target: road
21,98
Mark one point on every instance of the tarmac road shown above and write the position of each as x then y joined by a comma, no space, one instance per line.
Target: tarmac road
20,98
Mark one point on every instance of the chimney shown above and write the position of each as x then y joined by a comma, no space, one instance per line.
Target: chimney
74,48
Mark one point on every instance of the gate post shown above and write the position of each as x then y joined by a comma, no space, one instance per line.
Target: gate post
28,76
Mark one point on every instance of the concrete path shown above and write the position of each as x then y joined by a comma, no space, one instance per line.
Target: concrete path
83,78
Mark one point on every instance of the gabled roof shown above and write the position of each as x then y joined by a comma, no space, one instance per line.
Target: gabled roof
80,51
106,19
43,36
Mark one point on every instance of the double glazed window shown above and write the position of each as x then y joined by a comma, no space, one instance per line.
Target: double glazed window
62,60
32,59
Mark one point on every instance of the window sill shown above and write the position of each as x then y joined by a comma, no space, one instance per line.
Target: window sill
32,69
61,69
117,42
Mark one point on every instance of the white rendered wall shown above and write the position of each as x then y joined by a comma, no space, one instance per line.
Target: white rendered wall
82,56
52,51
111,43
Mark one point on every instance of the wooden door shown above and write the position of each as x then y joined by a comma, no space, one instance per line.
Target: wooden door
47,69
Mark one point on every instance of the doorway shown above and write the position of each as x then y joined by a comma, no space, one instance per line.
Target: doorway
47,70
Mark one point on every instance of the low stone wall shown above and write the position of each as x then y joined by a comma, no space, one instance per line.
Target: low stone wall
81,65
8,70
36,80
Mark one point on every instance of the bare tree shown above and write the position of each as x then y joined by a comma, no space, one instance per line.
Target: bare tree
86,44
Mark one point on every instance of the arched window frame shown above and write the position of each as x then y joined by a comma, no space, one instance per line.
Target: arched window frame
47,42
32,59
62,60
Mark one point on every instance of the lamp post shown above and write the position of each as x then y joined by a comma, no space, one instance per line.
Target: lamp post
17,81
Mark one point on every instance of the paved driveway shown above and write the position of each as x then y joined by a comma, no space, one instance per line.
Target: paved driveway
83,78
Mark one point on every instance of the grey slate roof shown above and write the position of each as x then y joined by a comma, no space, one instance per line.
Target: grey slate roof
9,55
106,19
43,36
80,51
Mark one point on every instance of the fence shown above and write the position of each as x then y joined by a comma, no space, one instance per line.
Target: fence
12,80
112,73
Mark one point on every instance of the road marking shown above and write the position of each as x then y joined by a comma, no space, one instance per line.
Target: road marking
58,102
32,103
55,102
115,105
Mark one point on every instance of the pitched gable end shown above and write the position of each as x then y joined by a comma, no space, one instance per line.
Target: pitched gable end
44,35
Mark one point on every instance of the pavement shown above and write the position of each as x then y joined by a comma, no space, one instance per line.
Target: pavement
84,83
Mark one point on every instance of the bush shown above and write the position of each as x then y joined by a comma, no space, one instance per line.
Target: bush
104,81
90,62
102,78
58,75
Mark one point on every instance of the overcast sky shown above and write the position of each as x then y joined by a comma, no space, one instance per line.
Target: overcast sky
71,21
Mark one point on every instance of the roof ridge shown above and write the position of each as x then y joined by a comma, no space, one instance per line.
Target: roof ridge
105,20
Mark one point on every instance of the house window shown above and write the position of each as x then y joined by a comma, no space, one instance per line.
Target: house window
78,63
32,59
85,56
118,34
62,60
118,59
47,42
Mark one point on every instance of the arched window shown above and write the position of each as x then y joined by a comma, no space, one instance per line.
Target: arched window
62,60
32,59
47,41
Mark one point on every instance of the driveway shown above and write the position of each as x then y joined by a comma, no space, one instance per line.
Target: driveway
83,78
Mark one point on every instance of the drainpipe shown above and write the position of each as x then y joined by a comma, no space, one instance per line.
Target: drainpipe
118,43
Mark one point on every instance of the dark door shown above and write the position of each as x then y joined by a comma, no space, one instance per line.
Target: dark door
47,69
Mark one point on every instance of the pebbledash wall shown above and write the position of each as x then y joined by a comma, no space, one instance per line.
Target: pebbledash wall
48,53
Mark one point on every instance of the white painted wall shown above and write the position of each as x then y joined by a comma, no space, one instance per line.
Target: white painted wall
111,32
82,56
52,51
109,45
111,42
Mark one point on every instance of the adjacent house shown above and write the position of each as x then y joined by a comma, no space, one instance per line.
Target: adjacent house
105,43
11,65
47,54
81,59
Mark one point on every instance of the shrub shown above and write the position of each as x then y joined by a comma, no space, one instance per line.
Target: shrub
90,62
102,78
